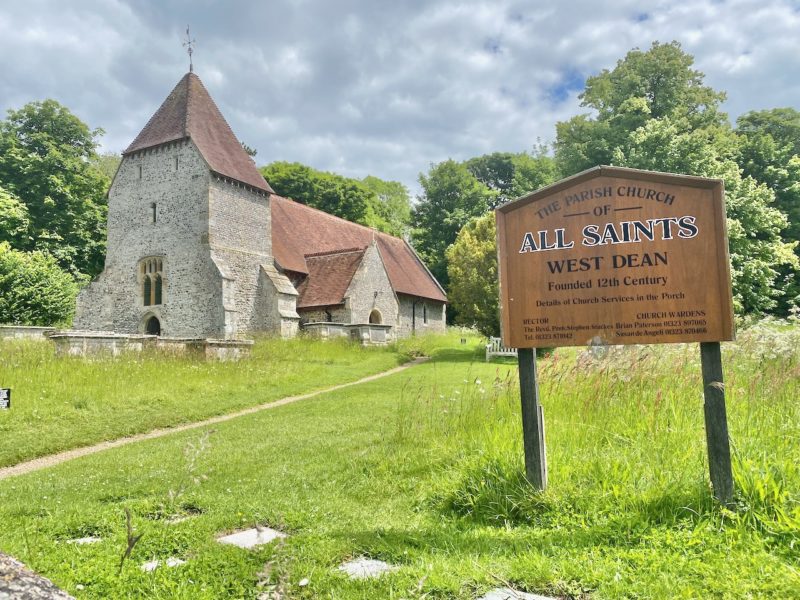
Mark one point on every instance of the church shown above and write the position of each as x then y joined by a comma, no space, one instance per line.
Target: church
201,247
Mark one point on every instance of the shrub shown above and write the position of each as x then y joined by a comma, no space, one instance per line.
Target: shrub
33,289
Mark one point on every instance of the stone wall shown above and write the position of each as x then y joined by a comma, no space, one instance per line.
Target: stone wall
239,235
412,316
175,179
276,305
371,290
211,235
90,343
318,315
25,332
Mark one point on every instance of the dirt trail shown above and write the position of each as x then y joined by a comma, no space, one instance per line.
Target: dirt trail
54,459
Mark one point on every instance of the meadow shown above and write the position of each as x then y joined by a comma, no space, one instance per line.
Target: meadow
63,402
423,469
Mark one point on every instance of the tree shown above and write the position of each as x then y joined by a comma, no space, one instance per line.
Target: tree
451,197
292,180
46,156
107,163
472,269
15,222
391,203
770,153
655,84
781,124
337,195
653,112
512,175
33,289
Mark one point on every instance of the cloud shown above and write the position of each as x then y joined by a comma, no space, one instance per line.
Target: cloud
379,87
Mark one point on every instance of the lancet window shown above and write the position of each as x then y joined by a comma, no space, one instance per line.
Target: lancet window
151,273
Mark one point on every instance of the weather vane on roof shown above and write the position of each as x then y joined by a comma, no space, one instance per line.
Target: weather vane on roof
188,45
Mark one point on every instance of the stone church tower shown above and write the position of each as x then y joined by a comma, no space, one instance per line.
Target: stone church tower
189,233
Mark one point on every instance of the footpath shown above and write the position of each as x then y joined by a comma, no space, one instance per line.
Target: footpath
50,460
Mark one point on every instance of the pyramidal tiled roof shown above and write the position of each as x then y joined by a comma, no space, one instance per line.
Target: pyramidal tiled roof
189,112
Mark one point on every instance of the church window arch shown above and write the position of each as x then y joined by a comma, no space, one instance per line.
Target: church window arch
375,317
152,280
152,326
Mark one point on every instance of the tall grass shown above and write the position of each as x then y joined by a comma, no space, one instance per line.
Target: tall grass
61,402
625,440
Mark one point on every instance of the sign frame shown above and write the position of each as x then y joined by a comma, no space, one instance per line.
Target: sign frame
711,241
717,438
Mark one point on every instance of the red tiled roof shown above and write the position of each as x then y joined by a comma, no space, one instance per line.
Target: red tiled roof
329,276
299,231
189,111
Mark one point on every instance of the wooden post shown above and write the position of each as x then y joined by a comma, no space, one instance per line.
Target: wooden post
532,420
719,451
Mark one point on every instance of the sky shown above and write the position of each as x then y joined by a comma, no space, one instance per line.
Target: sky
377,87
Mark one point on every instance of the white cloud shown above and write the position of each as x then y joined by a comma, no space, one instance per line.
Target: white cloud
380,87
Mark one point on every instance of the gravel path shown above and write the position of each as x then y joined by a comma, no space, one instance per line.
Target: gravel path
55,459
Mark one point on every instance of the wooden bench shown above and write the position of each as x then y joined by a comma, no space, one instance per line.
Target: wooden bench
495,348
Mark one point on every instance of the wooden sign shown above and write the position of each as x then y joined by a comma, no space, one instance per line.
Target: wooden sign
615,256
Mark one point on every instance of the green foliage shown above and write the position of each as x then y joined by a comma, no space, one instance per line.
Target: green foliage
451,196
15,222
33,289
781,124
511,175
107,163
770,153
653,112
383,205
754,226
472,269
46,156
391,203
329,192
655,84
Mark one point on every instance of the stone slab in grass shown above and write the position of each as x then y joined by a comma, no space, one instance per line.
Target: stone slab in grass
85,540
509,594
365,568
251,538
154,564
20,583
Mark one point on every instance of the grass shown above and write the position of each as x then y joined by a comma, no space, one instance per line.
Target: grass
64,402
423,469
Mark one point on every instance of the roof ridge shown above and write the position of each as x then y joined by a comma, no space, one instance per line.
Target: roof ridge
329,252
327,214
189,102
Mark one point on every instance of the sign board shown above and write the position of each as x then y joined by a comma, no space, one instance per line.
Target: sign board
615,256
5,398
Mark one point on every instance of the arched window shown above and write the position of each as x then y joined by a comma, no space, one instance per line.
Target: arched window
157,291
425,314
147,290
152,281
375,317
